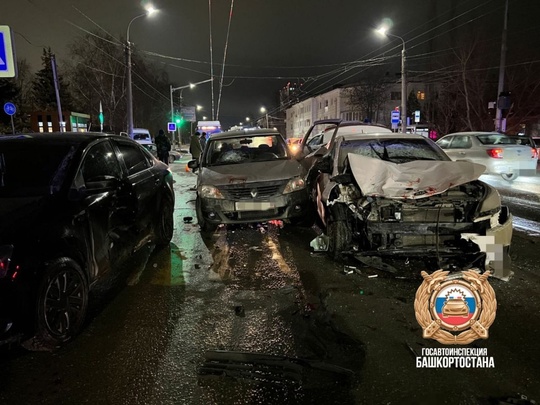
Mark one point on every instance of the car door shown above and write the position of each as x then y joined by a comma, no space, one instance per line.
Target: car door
145,184
103,211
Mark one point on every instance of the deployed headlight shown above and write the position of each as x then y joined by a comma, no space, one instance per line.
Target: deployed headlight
5,258
209,192
294,185
491,204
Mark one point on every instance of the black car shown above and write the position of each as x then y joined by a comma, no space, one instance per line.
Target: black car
72,207
249,176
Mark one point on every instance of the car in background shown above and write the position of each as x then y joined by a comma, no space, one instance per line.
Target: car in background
294,145
499,153
93,200
399,196
142,135
152,148
248,176
532,141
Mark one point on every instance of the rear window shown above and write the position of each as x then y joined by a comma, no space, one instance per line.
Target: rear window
496,139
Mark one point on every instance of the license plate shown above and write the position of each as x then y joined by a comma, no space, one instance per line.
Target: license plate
254,206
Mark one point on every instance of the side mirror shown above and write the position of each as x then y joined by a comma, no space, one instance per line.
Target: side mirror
193,164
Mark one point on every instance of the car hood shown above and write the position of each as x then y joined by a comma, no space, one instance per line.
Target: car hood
250,172
412,180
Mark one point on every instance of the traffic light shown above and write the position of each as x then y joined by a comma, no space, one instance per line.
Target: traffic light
179,120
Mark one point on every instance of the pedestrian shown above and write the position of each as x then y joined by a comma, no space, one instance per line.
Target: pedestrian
195,146
203,140
163,146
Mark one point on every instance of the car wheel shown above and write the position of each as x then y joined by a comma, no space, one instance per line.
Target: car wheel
339,231
165,228
62,302
509,176
204,224
171,158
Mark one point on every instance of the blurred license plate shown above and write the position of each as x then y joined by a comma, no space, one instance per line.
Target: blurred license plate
254,206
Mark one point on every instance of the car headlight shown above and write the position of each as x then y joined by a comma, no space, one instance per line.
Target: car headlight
294,185
491,204
210,192
5,258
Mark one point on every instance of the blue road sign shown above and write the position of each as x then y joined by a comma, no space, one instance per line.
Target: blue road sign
395,117
171,126
10,109
8,67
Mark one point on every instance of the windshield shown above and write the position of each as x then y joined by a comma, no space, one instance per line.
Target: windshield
33,169
391,150
244,150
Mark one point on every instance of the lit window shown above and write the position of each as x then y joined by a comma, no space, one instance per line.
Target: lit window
420,95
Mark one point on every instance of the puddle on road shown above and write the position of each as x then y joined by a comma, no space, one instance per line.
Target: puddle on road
167,265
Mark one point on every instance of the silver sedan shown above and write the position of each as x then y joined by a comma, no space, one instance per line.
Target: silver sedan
499,153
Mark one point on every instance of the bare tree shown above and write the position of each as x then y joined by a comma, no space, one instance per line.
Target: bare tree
368,97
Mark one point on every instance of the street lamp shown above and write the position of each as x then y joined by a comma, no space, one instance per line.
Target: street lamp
181,88
264,111
149,11
384,32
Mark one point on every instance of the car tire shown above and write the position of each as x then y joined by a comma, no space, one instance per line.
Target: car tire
171,159
165,227
509,176
206,227
62,303
339,231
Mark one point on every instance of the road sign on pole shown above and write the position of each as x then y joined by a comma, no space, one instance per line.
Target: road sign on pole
417,116
8,67
395,119
10,109
171,126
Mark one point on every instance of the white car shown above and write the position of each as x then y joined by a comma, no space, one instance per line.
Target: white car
499,153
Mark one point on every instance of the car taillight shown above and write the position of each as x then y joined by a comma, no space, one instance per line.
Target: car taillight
534,153
5,259
496,153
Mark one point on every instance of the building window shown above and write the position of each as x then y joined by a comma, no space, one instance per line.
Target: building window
420,95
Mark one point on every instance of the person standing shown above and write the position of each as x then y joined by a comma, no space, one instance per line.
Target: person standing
163,146
195,146
203,140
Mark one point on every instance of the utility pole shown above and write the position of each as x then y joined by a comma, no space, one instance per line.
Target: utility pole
57,91
498,114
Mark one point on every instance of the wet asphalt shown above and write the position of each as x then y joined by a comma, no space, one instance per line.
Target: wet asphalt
249,315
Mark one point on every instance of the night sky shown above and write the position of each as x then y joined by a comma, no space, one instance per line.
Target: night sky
271,42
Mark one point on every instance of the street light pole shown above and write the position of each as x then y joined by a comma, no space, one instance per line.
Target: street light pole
383,31
181,88
150,11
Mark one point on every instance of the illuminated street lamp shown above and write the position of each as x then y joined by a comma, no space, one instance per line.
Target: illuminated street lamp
264,111
384,32
149,11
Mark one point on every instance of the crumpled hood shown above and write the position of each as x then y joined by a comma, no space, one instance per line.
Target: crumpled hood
412,180
250,172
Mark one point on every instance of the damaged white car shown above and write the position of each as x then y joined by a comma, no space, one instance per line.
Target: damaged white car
400,197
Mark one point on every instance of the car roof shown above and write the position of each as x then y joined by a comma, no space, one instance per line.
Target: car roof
71,138
244,133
